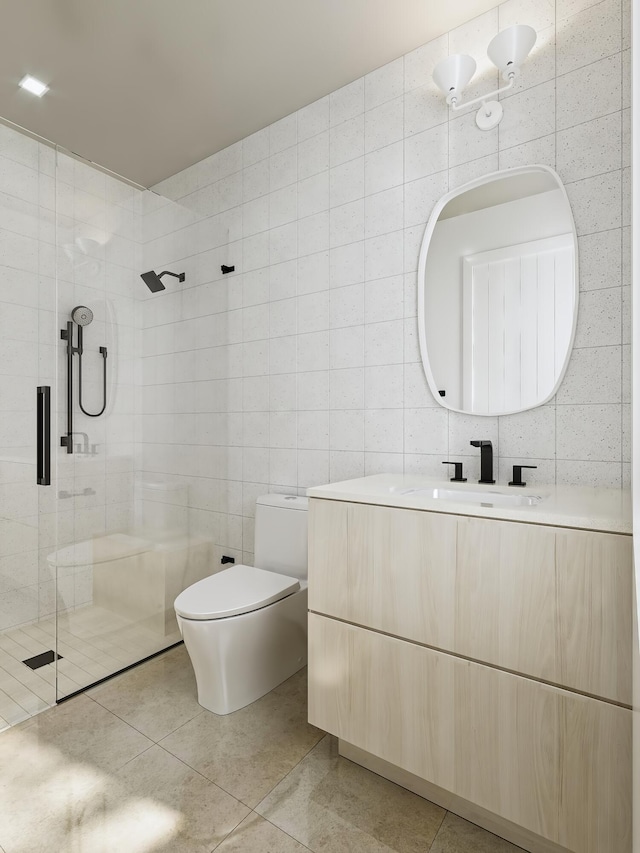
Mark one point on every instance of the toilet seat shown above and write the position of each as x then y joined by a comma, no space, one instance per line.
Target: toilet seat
240,589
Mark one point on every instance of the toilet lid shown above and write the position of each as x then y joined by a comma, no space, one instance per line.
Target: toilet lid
230,592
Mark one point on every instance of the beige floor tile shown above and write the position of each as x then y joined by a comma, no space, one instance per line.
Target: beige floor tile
78,730
459,836
156,697
153,803
172,807
248,752
332,805
257,835
54,769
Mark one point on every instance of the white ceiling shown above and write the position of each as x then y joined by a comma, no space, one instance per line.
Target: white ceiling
148,87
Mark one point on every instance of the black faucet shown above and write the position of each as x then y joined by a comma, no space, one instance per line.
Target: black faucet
486,461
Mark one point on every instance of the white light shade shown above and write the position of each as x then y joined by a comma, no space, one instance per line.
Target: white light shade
452,74
31,84
509,49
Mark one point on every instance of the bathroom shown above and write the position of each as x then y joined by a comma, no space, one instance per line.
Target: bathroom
287,359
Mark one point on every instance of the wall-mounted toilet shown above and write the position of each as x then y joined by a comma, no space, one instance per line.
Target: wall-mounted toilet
245,628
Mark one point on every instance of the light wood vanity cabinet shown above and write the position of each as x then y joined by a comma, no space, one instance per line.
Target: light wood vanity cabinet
430,638
524,597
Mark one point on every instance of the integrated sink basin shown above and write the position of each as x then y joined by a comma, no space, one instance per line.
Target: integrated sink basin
479,497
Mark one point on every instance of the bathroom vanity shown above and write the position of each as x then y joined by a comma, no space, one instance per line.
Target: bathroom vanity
474,645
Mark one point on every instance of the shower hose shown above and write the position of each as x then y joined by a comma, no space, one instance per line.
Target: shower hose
103,353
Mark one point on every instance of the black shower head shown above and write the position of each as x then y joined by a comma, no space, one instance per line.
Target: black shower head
152,279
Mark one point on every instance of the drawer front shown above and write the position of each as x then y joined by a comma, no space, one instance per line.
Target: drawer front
547,602
506,611
554,762
389,569
594,573
328,556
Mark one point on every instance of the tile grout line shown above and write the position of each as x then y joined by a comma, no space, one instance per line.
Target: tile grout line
288,773
253,812
555,166
622,211
181,199
131,725
279,828
435,837
343,246
403,139
449,120
404,272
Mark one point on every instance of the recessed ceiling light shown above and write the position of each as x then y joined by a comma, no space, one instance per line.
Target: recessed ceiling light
31,84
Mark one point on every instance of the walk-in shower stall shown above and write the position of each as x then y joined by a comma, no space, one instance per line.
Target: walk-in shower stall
96,534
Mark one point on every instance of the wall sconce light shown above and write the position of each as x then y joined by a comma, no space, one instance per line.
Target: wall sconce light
508,50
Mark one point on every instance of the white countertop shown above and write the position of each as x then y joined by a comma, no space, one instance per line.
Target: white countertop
608,510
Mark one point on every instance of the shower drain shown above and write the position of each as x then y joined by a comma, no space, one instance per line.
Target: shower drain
42,659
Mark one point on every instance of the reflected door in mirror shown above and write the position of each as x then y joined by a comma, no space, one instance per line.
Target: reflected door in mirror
517,316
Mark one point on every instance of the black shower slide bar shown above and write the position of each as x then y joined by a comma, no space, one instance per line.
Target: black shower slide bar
82,316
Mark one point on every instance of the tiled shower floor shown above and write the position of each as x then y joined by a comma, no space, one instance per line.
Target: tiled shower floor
93,642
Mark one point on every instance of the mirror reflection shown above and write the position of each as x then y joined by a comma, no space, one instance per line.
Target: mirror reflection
498,292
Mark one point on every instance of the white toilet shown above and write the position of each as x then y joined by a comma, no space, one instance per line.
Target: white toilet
245,628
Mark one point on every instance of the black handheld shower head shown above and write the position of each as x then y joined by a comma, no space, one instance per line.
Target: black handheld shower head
152,279
82,315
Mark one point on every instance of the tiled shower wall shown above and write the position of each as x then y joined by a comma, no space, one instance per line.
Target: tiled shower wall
27,197
302,367
97,260
62,219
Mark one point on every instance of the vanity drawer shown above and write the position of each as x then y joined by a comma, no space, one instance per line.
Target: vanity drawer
594,588
546,759
389,569
551,603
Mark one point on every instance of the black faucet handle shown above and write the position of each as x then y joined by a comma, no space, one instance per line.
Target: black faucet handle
481,443
517,474
457,472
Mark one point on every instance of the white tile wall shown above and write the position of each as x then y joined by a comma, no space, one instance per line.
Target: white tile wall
336,198
68,236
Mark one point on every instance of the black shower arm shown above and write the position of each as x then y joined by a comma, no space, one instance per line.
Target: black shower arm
180,276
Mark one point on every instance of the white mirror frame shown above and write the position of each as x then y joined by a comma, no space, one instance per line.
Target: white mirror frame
422,264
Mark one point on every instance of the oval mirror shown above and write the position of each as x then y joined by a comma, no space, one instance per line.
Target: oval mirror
498,292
